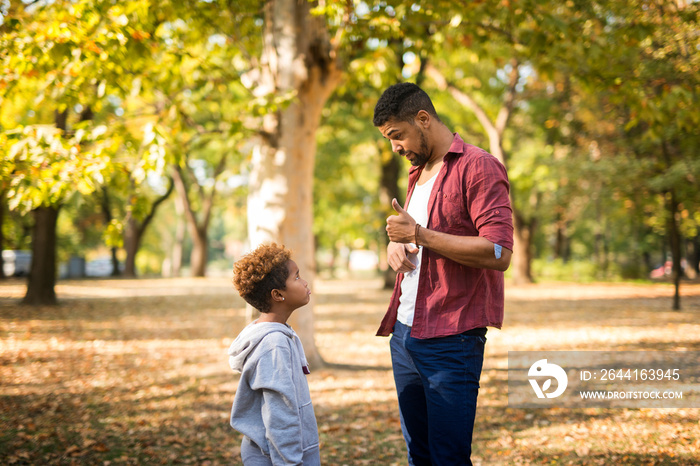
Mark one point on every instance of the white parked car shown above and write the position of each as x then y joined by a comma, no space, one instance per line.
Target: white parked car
101,267
16,263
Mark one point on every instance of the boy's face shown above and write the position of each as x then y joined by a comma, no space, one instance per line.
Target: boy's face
297,291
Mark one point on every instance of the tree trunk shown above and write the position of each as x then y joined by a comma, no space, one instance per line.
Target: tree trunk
42,275
200,248
135,229
390,169
107,213
197,228
694,260
132,242
522,250
179,243
673,231
297,59
388,190
2,238
562,249
674,235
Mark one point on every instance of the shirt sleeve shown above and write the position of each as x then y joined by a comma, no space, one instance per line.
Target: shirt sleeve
488,202
280,413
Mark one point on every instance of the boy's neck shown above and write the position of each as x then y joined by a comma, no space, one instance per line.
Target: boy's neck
275,315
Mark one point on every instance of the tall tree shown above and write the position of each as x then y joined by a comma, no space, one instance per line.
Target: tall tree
48,168
357,174
648,90
105,203
69,69
140,213
184,178
131,64
298,64
200,104
4,179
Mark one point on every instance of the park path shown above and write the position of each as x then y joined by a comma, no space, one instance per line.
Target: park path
135,372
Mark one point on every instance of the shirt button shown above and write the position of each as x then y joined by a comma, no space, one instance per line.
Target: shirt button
498,212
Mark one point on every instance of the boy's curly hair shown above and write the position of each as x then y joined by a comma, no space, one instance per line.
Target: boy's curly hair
256,274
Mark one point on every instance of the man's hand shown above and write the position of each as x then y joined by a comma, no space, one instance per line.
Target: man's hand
397,257
400,228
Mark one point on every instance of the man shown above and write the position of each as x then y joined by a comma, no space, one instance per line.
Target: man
450,248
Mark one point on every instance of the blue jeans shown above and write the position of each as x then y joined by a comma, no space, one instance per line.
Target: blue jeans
437,382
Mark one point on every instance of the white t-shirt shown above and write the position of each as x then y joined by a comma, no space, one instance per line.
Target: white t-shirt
418,209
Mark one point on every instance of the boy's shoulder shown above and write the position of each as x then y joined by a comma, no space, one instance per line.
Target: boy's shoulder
277,335
271,346
275,338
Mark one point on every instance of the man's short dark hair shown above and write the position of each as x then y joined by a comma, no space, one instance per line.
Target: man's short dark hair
402,102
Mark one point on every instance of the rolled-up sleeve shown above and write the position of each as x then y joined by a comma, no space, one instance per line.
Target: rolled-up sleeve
488,202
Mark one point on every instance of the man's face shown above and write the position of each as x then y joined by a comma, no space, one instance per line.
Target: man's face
407,140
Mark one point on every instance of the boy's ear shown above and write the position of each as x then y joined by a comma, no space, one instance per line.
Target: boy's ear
277,295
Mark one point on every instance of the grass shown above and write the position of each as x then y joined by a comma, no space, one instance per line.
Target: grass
135,372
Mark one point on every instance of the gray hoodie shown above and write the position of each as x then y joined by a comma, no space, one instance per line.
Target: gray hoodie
272,406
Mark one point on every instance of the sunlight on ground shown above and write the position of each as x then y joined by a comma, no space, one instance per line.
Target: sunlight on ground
135,371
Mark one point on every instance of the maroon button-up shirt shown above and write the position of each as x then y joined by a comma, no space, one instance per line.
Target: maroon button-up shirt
469,198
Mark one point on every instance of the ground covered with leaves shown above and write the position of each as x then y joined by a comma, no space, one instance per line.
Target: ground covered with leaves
135,372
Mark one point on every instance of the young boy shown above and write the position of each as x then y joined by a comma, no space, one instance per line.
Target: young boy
272,407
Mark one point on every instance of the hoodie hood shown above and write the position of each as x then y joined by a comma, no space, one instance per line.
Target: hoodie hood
251,336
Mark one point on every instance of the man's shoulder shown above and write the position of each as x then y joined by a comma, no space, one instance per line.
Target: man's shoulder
474,157
471,152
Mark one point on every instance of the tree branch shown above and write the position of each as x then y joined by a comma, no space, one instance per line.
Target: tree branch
492,131
156,203
509,101
179,181
460,96
209,201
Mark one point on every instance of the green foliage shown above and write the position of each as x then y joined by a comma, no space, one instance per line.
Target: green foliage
569,271
599,133
46,167
346,207
113,235
603,130
141,85
631,108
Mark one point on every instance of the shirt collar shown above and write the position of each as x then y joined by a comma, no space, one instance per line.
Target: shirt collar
457,146
456,149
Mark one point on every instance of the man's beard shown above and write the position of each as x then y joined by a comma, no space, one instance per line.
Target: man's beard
422,156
